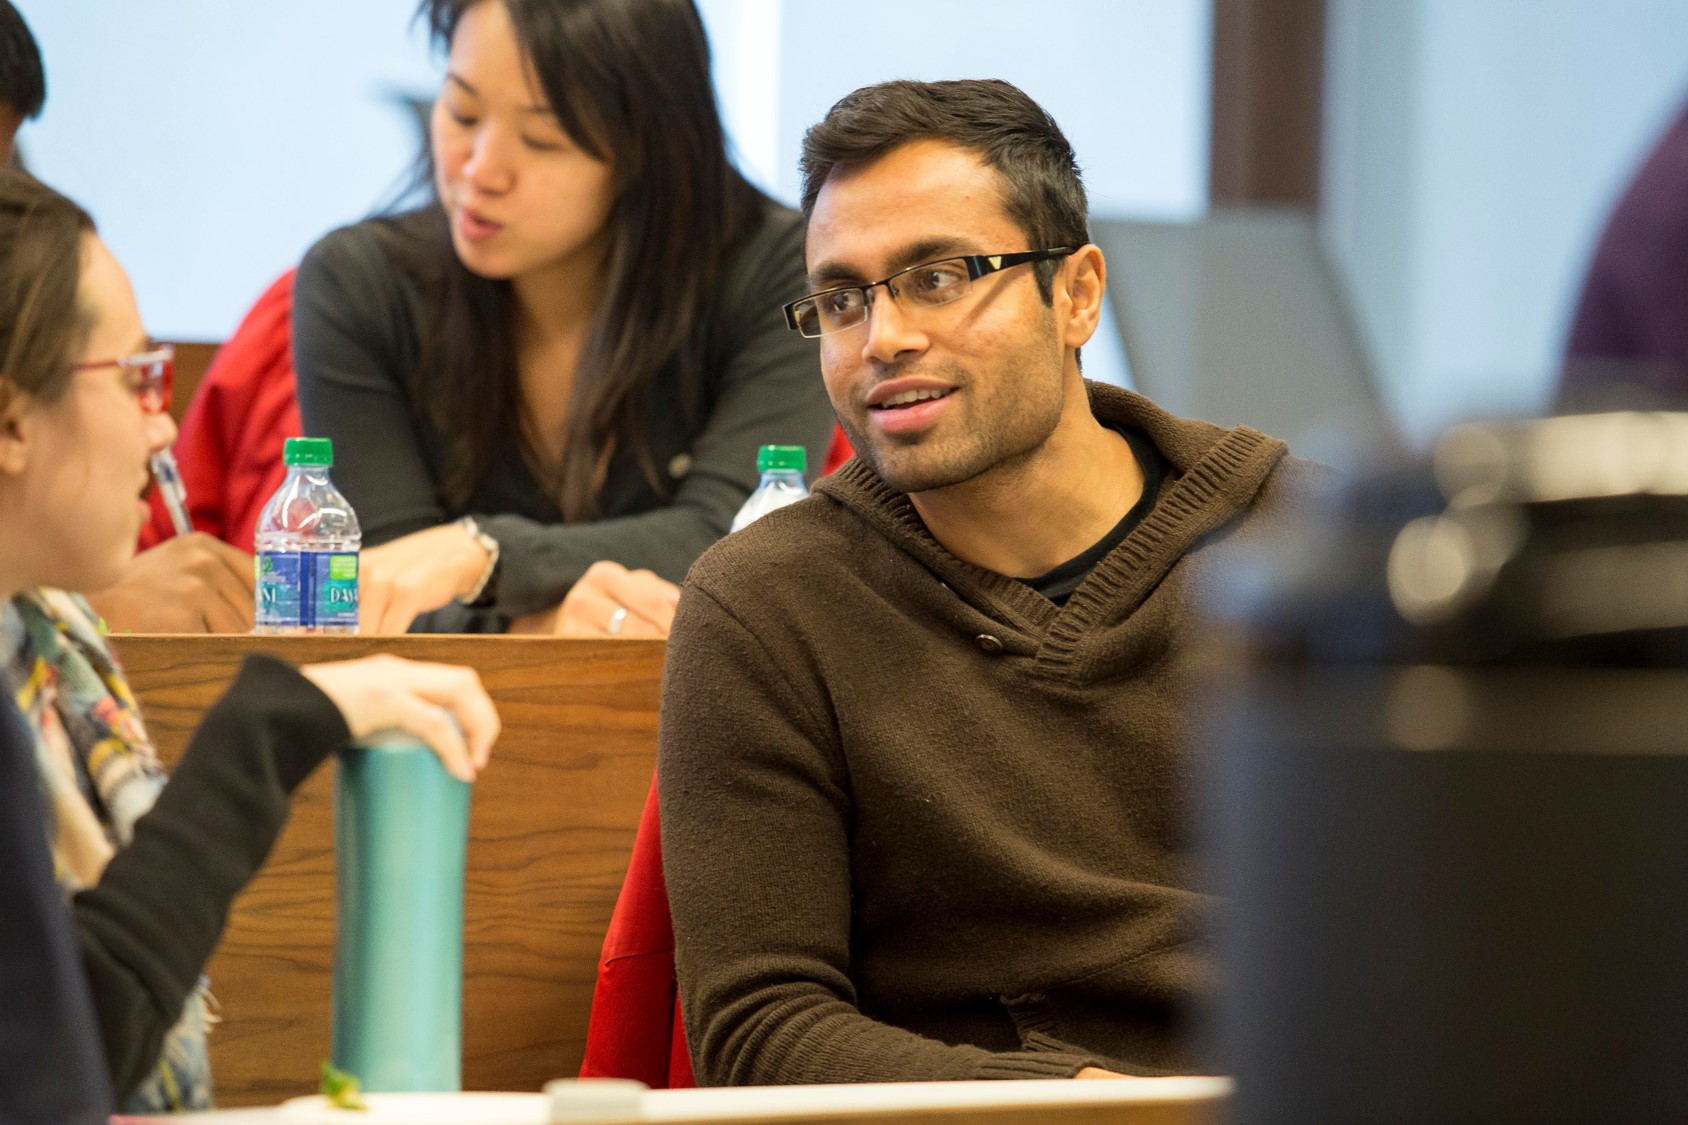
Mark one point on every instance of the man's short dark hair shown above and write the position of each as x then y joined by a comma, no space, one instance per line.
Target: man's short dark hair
22,84
1042,189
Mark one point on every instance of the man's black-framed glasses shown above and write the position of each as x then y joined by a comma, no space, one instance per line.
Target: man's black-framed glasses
925,286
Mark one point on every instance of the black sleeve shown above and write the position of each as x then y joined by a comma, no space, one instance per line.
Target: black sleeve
352,313
354,340
51,1066
150,924
767,388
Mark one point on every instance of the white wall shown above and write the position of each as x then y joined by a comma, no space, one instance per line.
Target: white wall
214,140
1127,80
1472,153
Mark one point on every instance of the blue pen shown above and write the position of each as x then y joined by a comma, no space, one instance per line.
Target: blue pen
169,479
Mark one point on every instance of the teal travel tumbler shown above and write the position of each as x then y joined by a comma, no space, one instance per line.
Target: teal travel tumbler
401,828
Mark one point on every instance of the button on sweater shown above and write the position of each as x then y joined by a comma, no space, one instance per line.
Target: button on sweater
919,822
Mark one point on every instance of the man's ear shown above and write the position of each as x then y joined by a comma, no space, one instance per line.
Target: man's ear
1084,281
15,427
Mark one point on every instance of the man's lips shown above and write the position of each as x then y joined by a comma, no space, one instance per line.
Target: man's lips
902,392
908,406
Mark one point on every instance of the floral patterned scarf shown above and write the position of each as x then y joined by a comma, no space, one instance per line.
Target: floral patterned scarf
99,774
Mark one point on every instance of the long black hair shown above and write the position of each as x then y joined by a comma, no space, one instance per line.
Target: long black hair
629,82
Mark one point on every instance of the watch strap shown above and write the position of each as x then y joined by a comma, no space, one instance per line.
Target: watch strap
486,589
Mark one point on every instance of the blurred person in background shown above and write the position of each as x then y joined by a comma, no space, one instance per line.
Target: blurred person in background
1629,335
23,86
116,885
571,356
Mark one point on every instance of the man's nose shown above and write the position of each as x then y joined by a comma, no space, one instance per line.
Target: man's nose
891,331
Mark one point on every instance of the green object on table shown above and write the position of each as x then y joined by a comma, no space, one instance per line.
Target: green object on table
401,828
341,1089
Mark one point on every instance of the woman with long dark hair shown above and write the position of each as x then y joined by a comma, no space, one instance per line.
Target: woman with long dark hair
573,353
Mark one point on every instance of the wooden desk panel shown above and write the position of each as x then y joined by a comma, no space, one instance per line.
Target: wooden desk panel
1197,1112
193,359
551,828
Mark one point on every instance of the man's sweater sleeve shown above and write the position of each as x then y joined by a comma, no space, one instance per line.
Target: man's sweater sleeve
150,924
756,814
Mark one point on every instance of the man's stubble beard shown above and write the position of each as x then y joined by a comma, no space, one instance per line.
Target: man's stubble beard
975,446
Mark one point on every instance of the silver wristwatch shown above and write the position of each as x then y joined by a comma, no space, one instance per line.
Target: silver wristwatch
486,590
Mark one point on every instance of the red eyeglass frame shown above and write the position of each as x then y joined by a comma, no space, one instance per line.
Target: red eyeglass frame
155,384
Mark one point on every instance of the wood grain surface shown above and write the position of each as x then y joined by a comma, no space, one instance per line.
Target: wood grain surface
193,359
551,828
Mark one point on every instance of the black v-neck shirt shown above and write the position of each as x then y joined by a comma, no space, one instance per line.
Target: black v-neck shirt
1059,583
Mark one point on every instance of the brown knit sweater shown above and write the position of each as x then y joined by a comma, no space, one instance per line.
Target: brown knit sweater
919,822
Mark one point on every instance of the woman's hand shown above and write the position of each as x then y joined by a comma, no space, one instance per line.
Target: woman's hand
442,705
610,600
399,581
1098,1072
189,584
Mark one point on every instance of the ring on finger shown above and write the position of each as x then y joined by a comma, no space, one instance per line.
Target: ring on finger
613,628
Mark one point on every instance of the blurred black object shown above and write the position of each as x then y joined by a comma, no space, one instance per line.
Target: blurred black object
1449,802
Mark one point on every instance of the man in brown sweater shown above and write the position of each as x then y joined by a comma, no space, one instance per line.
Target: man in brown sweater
923,756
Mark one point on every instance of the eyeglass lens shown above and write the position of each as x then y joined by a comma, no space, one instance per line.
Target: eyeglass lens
935,283
152,384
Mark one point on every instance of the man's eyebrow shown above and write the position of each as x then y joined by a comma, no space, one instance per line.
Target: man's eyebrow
930,250
832,273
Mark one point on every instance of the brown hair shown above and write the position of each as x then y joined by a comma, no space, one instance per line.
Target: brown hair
42,326
1041,186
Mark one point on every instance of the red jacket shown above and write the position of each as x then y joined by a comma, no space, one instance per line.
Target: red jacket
229,448
636,1029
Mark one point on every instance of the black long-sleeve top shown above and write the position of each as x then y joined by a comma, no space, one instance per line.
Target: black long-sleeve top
147,928
357,338
51,1066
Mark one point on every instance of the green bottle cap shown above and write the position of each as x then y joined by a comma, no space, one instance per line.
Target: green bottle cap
308,451
773,458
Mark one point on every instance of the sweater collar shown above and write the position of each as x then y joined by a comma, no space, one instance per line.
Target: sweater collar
1216,474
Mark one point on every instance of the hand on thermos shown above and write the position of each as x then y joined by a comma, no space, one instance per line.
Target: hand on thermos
443,706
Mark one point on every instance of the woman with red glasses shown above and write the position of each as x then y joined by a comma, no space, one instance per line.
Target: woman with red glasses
114,886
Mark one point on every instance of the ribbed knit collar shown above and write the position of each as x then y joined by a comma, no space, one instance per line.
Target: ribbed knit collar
1216,474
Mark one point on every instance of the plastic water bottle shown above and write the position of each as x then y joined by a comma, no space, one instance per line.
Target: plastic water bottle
782,468
307,548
